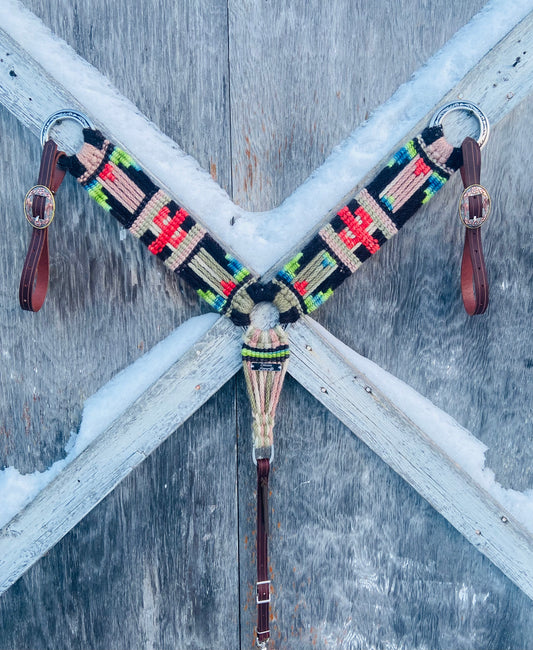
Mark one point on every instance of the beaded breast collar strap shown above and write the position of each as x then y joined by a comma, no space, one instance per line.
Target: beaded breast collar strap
411,177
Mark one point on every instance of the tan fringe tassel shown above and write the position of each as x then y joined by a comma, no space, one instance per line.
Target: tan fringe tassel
265,356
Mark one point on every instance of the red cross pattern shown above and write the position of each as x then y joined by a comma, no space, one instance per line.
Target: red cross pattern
356,231
170,229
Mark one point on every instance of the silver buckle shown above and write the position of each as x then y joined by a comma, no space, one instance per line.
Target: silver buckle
44,220
262,602
477,220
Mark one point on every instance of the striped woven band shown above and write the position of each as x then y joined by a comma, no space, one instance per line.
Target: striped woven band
265,356
413,175
358,230
117,183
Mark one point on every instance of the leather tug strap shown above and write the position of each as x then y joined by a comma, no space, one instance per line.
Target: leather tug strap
263,582
35,273
265,357
474,279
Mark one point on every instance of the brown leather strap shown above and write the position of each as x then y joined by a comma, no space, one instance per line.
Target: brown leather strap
35,273
474,279
263,582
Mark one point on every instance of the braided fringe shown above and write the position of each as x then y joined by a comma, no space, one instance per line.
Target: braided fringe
265,356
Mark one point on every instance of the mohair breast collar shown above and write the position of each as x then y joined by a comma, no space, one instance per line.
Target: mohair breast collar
412,176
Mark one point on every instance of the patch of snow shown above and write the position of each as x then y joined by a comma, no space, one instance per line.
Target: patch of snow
101,409
269,234
252,231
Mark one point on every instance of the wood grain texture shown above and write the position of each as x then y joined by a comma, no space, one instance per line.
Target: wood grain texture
133,575
147,568
497,86
335,62
358,560
320,366
31,96
418,584
135,434
20,77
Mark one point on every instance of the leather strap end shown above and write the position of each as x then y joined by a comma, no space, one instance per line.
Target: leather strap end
474,278
35,274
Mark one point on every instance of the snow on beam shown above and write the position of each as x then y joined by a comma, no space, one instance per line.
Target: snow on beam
381,424
319,362
498,82
199,374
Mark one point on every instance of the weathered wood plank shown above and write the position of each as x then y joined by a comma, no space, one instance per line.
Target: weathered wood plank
498,83
166,158
308,57
320,366
412,560
336,512
32,95
27,91
404,311
144,568
200,373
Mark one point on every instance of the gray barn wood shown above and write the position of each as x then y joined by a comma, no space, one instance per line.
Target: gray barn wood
194,378
136,573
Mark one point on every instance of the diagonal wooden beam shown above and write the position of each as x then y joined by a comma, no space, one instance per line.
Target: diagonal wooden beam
319,364
39,540
34,93
183,389
494,84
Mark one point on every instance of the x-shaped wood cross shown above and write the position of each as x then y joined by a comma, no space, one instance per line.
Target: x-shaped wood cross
320,365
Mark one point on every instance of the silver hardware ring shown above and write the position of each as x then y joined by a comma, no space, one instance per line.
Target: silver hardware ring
265,452
461,105
64,114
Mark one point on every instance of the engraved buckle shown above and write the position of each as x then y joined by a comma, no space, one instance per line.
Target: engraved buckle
475,221
40,221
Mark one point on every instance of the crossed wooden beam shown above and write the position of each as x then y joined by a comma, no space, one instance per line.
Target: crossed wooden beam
318,362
